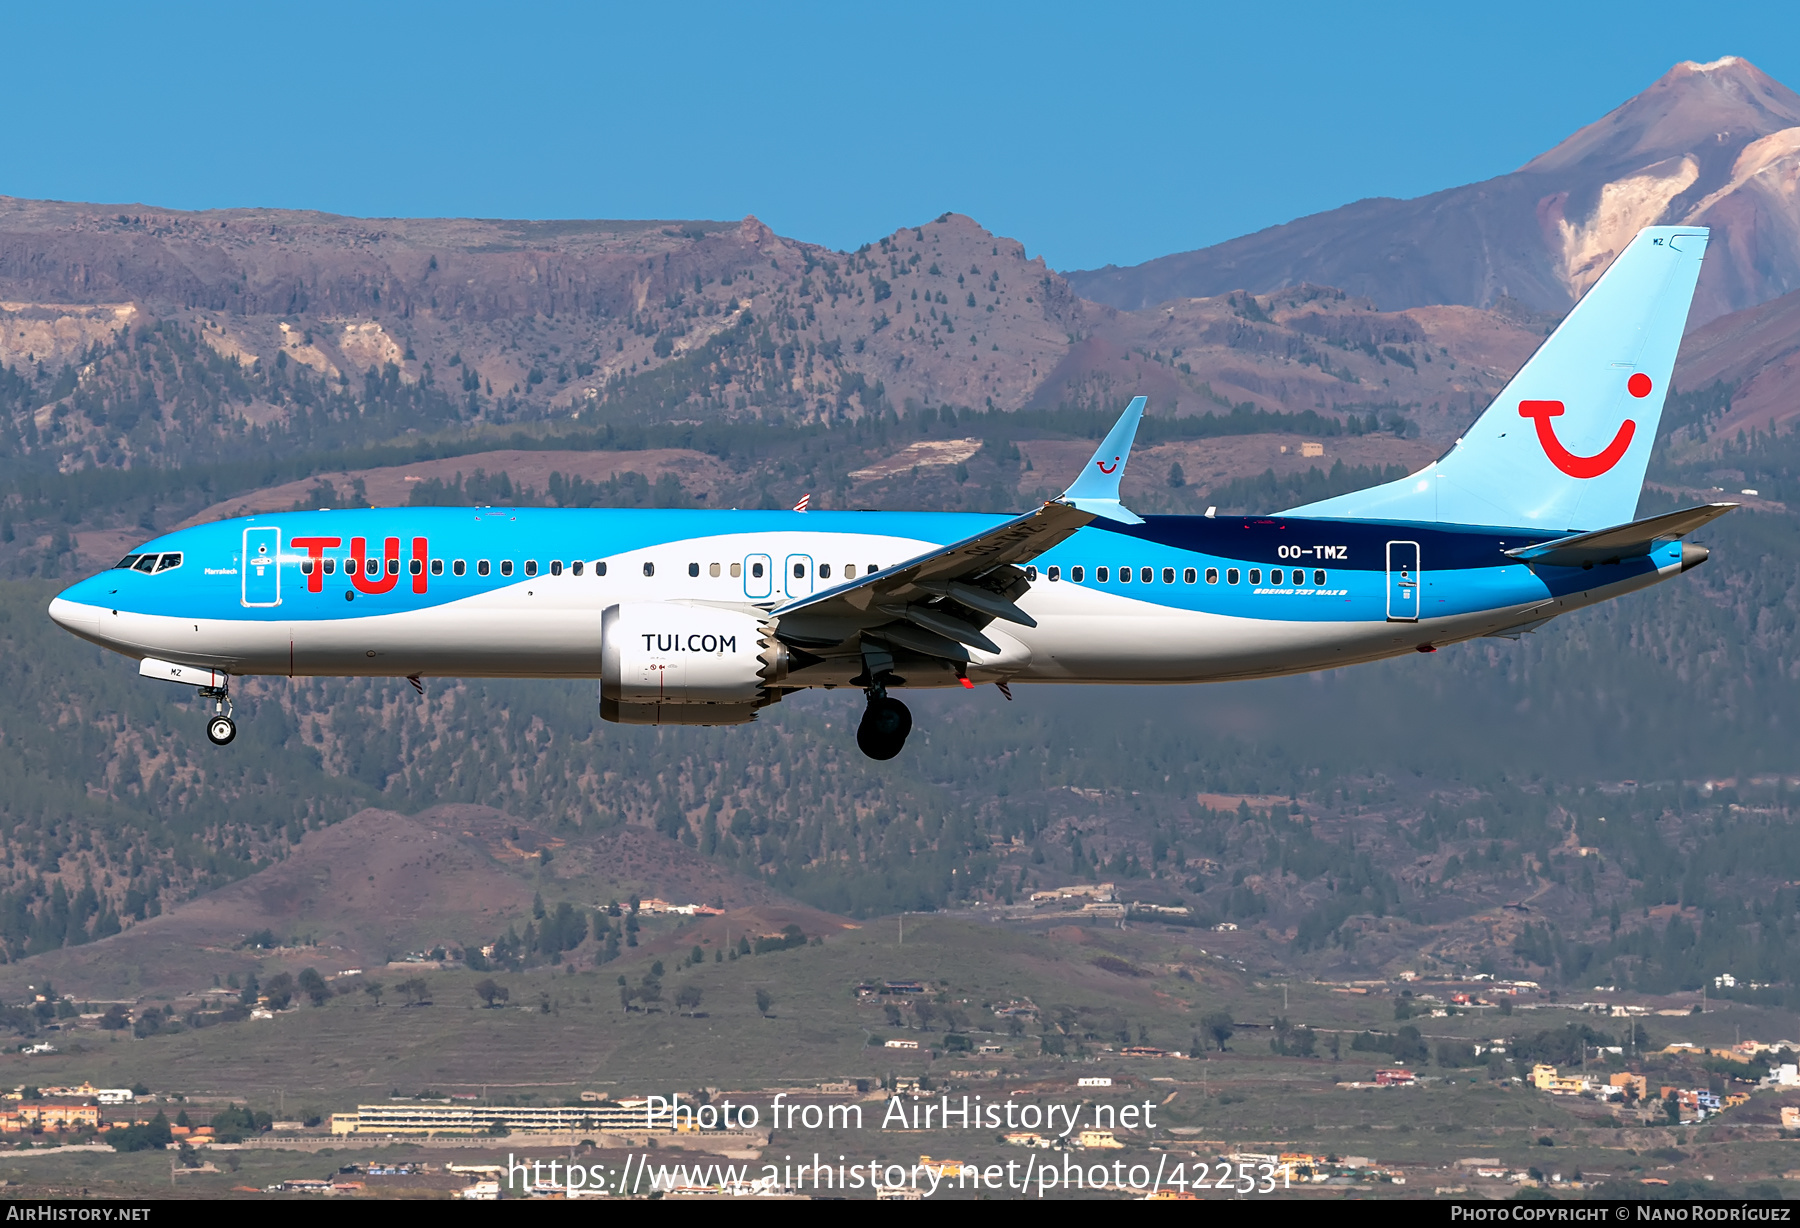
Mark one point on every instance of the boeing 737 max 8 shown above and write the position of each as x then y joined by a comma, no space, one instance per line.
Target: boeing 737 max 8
704,617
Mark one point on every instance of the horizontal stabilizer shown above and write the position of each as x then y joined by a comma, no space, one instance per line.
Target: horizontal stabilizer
1626,541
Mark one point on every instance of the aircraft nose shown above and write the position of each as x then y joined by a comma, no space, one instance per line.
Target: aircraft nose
74,616
77,609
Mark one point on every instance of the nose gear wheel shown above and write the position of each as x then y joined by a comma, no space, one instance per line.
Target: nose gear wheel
220,728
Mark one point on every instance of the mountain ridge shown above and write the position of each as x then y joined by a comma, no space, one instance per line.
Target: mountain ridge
1713,144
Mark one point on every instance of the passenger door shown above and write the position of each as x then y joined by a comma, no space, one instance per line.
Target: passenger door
759,576
1403,582
797,575
262,567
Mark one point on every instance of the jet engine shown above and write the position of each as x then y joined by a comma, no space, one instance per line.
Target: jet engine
667,664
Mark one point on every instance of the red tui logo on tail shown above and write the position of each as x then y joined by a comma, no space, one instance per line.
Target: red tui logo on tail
1583,466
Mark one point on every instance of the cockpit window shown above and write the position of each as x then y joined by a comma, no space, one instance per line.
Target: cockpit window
148,563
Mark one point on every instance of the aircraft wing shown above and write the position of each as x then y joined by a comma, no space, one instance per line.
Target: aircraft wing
938,591
1623,541
938,602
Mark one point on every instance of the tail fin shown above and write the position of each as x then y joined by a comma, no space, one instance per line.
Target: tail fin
1566,443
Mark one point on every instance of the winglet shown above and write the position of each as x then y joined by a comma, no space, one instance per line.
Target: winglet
1096,489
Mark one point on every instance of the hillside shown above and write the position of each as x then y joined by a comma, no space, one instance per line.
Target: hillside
1388,815
1756,352
380,886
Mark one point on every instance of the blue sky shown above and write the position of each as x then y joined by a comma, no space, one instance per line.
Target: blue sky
1092,133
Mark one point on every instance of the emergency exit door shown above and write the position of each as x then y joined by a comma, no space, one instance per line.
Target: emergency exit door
1403,582
262,567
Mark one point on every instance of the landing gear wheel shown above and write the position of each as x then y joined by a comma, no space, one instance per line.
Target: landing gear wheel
885,724
220,728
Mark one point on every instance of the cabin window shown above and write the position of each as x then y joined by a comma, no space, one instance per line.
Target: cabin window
306,567
458,568
649,569
737,571
1256,575
871,569
575,567
1146,574
824,571
1075,574
531,567
1319,578
1231,575
1212,575
393,567
1168,575
1189,576
712,569
556,567
1055,574
1031,573
1275,576
330,564
147,563
600,567
437,567
416,567
849,571
506,567
371,566
482,567
756,570
799,571
1100,574
128,562
693,571
1124,575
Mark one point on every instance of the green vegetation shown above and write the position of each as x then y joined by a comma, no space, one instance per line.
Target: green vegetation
1495,762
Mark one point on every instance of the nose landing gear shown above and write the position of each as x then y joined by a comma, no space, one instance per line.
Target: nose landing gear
220,728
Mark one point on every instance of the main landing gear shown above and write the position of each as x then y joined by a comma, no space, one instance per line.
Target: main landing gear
885,724
220,728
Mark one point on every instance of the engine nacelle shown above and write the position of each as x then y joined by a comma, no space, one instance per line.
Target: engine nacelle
668,664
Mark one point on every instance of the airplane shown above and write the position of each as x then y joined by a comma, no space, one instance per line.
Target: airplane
706,617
